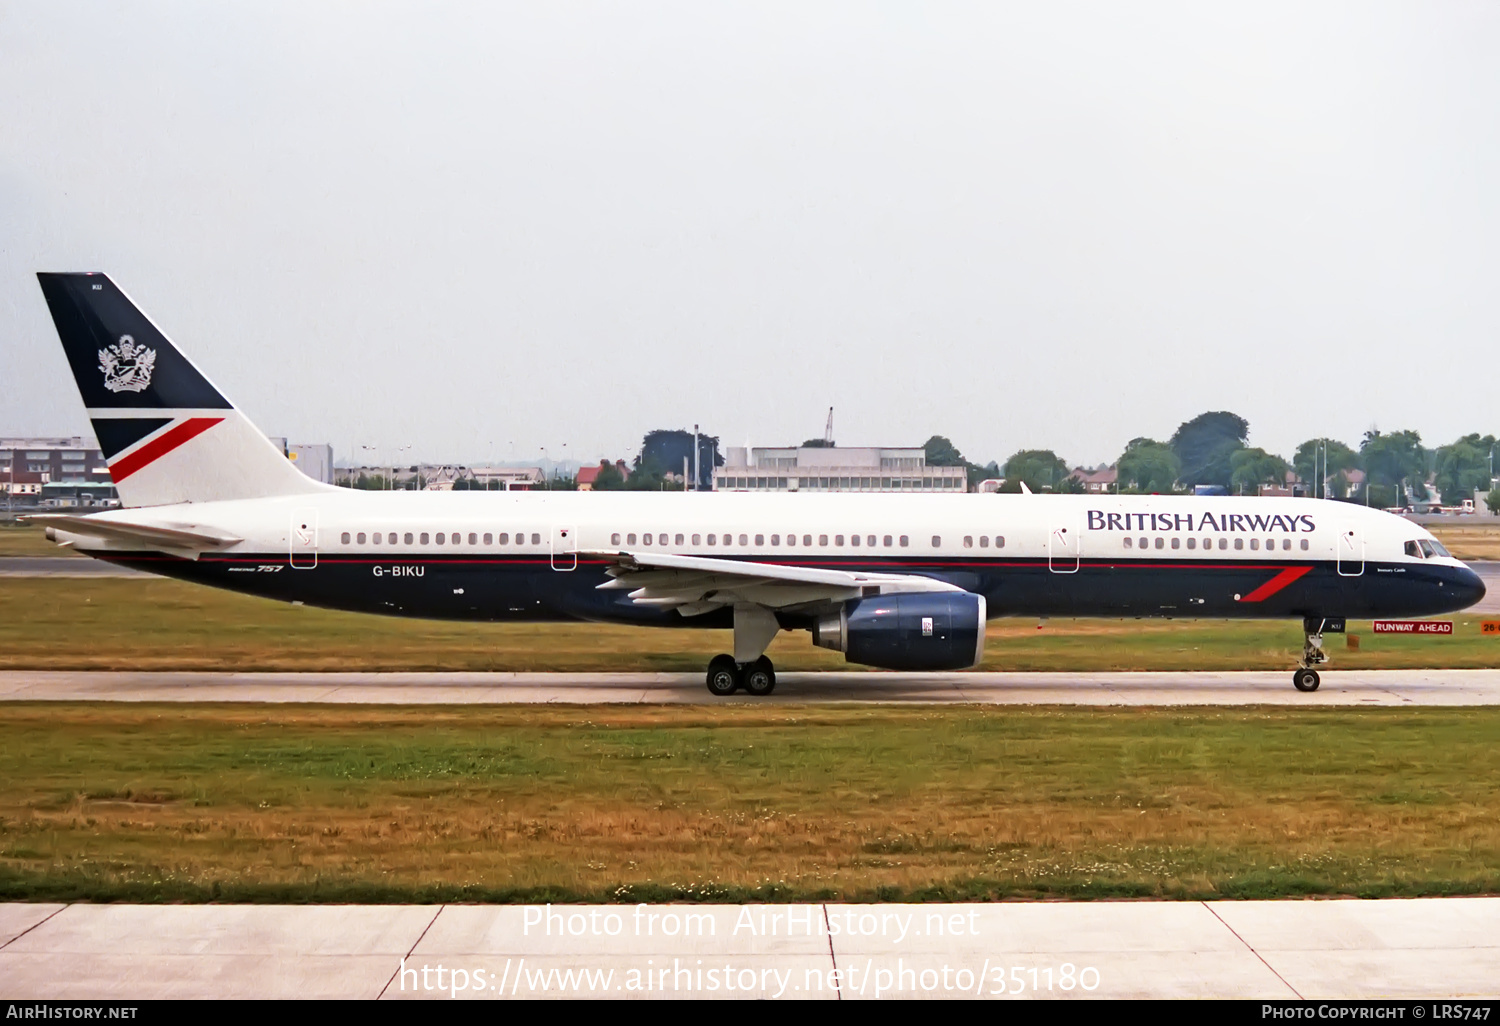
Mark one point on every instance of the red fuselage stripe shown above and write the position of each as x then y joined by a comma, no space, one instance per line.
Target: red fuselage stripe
1276,583
160,446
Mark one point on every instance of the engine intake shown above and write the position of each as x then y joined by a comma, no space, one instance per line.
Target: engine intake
932,631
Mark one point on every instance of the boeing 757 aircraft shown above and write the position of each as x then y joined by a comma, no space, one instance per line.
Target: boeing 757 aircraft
904,582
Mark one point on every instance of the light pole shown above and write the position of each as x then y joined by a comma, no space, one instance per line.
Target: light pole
399,450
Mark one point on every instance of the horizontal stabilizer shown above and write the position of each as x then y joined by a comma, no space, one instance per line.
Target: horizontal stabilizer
176,538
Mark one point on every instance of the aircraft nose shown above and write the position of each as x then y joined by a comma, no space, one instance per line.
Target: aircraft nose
1470,587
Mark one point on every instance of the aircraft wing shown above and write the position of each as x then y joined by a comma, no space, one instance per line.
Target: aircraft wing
190,540
697,584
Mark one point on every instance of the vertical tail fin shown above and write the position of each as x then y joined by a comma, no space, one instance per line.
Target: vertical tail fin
166,432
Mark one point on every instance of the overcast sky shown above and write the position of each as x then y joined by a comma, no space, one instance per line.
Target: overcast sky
481,230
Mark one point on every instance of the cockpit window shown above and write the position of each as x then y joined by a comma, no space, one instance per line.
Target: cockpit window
1438,548
1427,552
1413,551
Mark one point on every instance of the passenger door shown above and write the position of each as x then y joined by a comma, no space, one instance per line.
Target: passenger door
304,539
564,548
1063,548
1351,551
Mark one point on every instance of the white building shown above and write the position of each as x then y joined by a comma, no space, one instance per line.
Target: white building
795,469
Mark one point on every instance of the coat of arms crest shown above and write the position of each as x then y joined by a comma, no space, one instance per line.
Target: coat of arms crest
127,367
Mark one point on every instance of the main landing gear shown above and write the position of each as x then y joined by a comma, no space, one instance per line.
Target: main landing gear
725,676
1306,678
748,668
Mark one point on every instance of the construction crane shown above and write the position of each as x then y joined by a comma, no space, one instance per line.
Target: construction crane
828,431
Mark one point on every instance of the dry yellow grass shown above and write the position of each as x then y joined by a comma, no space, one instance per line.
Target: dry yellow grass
1469,539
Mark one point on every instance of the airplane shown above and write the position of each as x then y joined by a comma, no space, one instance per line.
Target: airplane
901,582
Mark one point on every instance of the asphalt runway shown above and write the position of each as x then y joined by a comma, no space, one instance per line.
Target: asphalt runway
1279,950
1340,688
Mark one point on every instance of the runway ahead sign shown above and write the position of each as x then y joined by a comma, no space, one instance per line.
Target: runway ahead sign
1413,626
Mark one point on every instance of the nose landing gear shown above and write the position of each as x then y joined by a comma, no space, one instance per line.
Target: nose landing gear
1306,678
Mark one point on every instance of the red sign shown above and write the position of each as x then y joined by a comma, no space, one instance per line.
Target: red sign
1413,626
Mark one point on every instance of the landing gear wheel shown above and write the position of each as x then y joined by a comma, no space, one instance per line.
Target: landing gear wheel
723,676
760,678
1305,680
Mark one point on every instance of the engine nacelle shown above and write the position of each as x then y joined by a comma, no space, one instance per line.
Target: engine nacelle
915,631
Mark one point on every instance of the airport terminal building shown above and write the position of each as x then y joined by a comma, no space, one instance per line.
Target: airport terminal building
832,469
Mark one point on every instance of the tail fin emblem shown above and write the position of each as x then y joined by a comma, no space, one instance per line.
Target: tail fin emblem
126,366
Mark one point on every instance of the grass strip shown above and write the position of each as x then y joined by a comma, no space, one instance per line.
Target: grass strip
308,804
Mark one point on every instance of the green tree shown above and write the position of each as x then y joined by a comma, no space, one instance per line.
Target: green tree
1205,444
1039,468
943,453
609,478
816,443
666,449
1396,459
1250,468
1463,467
1308,462
1148,466
1492,500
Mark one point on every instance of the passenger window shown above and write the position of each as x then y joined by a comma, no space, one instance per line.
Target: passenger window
408,538
473,538
807,539
1192,543
968,541
712,538
1304,544
791,539
744,540
1145,543
645,539
536,539
1239,543
697,539
838,540
1254,544
1286,543
505,538
344,538
888,540
440,537
870,540
760,539
489,538
630,539
937,541
1270,544
424,538
376,537
984,541
1176,543
905,541
614,539
679,540
854,540
1223,544
1159,543
661,539
1127,543
775,539
1208,543
1000,541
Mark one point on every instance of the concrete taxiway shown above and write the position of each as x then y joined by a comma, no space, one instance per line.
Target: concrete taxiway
1288,950
1340,688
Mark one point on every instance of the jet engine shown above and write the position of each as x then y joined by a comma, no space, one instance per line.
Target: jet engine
914,631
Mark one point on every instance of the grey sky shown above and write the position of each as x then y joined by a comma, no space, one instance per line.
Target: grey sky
482,230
